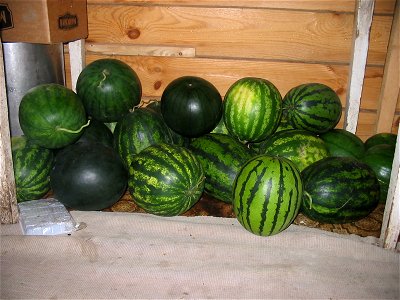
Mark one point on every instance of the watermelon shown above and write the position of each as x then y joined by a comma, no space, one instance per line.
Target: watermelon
138,130
300,146
88,176
52,115
97,132
252,109
312,106
109,89
191,106
220,127
32,165
380,159
339,190
267,194
381,138
221,156
341,142
166,179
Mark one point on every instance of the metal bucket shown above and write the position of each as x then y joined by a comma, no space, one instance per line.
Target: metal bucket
28,65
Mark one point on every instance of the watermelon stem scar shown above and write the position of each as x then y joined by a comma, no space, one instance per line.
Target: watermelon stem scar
73,131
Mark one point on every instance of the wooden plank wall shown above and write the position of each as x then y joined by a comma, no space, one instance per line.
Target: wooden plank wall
286,42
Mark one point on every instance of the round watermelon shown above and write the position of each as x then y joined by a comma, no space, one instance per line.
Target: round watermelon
166,179
137,130
381,138
252,109
380,159
32,165
109,89
312,106
267,194
88,176
300,146
191,106
341,142
339,190
97,132
221,156
52,115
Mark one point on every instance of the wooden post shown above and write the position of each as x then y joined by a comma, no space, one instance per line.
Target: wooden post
77,60
8,198
362,24
391,79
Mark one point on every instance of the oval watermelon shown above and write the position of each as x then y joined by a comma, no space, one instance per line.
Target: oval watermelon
191,106
221,156
32,165
52,115
341,142
109,89
339,190
138,130
300,146
267,194
252,109
312,106
88,176
166,179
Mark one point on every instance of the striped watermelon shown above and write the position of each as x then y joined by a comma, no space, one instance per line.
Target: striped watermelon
252,109
166,179
138,130
312,106
339,190
267,194
32,165
109,89
300,146
381,138
341,142
221,156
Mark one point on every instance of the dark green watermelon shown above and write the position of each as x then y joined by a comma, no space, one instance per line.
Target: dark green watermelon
191,106
32,165
381,138
166,179
109,89
221,156
52,116
341,142
339,190
267,194
312,106
302,147
138,130
252,109
88,176
97,132
380,159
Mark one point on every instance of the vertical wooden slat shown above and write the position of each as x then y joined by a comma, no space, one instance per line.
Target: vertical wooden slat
77,60
8,198
390,231
362,24
391,79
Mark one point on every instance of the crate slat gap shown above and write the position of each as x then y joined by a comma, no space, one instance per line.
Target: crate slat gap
364,9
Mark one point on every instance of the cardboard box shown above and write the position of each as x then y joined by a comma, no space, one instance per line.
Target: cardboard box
43,21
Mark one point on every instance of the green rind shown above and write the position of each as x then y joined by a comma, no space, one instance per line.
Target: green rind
32,165
221,156
312,106
252,109
300,146
339,190
46,110
109,89
138,130
343,143
381,138
267,194
166,179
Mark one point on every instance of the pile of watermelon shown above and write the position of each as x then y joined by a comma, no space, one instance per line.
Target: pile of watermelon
269,156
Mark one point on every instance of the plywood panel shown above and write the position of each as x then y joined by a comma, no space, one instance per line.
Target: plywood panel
381,6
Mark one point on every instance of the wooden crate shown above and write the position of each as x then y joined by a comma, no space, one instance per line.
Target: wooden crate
351,46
